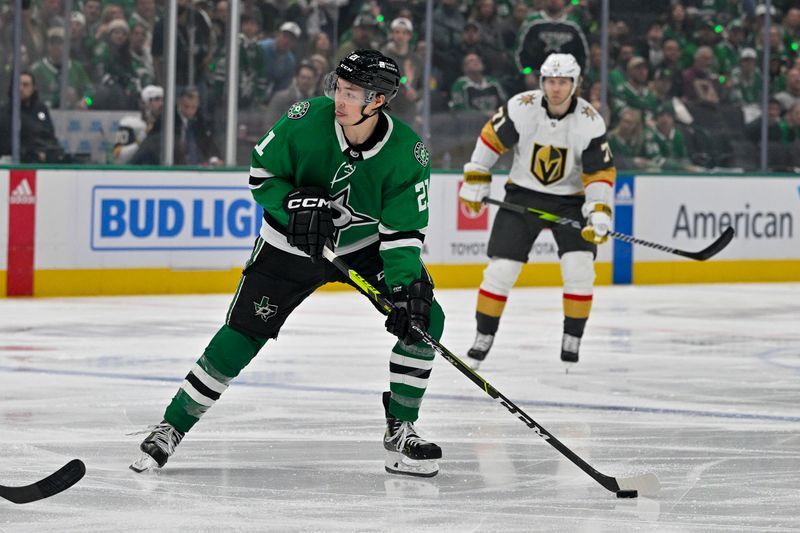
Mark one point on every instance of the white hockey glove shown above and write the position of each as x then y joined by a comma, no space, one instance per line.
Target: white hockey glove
475,188
598,222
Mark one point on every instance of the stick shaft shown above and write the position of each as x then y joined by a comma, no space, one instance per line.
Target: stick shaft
364,286
711,250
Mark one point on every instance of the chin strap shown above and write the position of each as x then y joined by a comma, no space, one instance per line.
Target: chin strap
364,116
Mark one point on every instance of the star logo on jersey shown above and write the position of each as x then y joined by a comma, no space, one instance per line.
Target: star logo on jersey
526,99
422,154
588,112
264,309
298,110
548,163
344,171
345,216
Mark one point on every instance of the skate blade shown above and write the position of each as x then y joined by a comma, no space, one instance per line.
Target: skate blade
143,464
568,365
397,463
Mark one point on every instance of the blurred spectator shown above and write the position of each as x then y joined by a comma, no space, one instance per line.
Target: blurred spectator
48,75
38,143
475,92
729,50
322,66
592,72
484,13
793,122
448,24
593,97
669,76
275,13
666,146
134,128
303,87
49,14
118,72
635,93
411,65
279,59
471,43
791,29
700,84
6,64
778,131
252,71
509,26
320,43
791,95
627,142
33,36
194,142
91,11
110,13
679,28
618,74
777,50
549,31
140,55
191,20
364,34
747,82
79,49
144,16
651,46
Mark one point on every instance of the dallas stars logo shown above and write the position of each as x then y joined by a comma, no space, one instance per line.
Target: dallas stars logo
298,110
345,216
264,309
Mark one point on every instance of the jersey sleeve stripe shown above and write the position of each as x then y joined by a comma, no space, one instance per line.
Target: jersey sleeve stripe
490,139
607,176
405,243
401,235
259,172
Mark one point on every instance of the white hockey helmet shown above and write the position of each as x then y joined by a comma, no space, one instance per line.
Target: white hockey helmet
152,91
561,66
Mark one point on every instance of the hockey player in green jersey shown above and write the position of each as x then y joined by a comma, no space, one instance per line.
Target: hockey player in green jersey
339,170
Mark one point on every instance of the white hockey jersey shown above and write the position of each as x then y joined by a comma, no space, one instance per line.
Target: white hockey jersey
560,156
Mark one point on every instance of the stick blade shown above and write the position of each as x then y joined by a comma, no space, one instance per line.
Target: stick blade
715,247
58,481
645,484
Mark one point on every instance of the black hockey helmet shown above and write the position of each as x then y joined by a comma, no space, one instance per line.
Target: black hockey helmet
371,70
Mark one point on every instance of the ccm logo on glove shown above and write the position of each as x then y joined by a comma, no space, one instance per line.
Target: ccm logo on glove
307,203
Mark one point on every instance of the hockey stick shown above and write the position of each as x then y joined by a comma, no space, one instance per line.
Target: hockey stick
62,479
647,484
706,253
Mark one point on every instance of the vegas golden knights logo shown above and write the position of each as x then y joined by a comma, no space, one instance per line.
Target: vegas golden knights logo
548,163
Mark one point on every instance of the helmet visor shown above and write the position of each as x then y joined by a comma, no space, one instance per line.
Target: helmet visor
348,92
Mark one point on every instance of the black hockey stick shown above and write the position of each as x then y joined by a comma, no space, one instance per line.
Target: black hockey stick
62,479
646,483
706,253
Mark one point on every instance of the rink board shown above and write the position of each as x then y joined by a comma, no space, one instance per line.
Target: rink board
100,231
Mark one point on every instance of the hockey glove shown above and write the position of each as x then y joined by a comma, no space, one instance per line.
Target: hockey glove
598,222
412,307
475,188
310,220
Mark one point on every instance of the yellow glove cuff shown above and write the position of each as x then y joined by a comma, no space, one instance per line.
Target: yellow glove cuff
477,178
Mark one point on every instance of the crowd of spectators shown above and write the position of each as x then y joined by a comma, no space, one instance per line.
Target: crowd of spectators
684,82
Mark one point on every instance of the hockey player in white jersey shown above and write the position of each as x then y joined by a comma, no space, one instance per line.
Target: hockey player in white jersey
562,164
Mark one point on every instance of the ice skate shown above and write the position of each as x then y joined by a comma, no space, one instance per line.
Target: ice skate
570,346
157,447
480,349
406,452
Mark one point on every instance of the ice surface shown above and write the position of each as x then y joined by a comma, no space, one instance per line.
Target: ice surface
697,384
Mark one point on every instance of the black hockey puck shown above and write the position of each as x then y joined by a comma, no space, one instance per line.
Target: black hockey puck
627,494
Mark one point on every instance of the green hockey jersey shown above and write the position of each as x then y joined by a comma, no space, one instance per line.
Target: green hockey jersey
378,195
